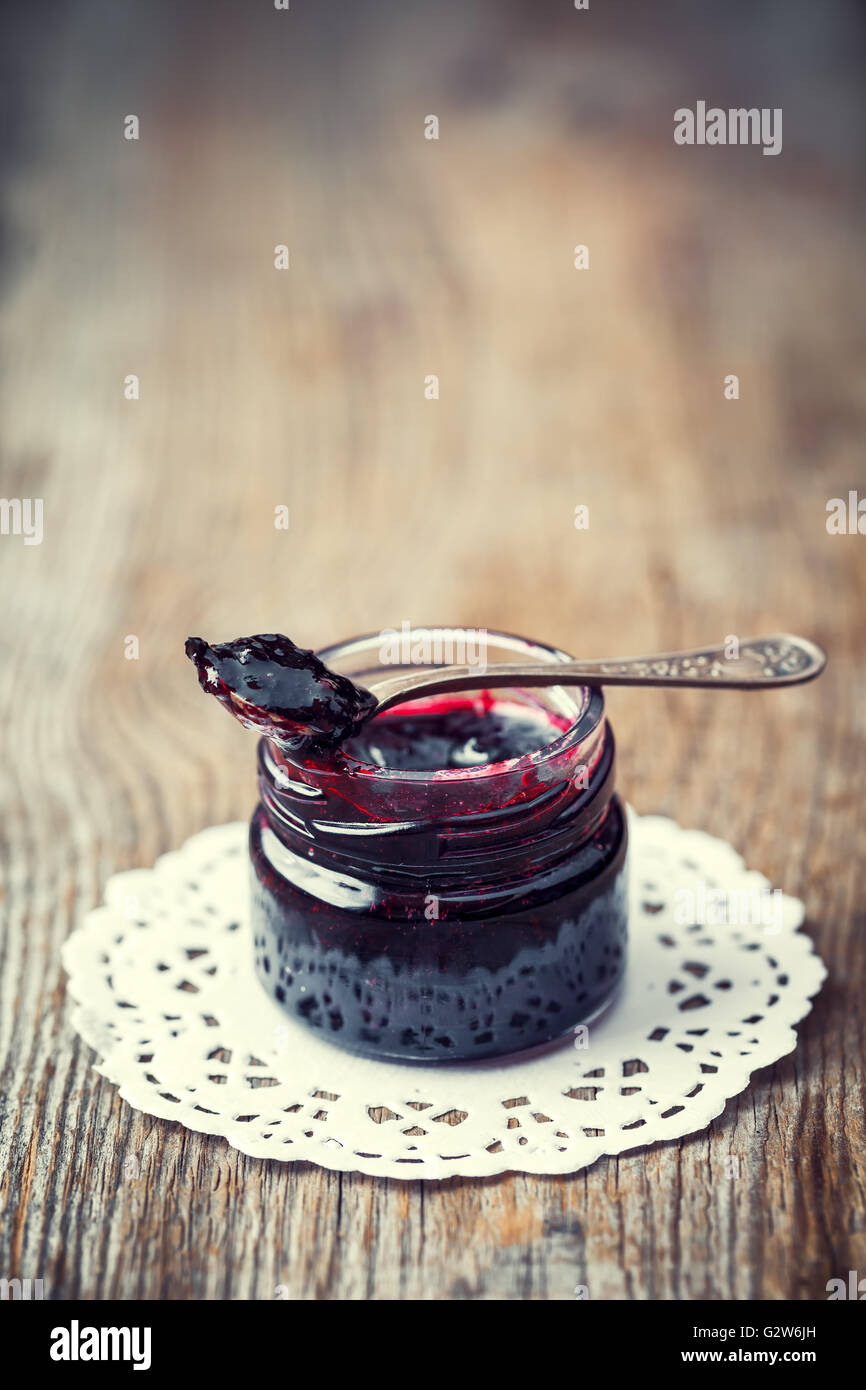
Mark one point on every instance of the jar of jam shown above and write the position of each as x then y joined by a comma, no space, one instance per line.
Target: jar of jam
449,883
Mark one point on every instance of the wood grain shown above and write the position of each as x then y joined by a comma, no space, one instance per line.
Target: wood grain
305,388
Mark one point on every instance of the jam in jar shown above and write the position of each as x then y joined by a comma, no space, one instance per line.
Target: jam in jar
449,880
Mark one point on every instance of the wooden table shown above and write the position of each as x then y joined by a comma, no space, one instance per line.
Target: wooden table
305,388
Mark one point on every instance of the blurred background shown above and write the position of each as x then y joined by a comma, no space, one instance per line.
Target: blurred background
305,388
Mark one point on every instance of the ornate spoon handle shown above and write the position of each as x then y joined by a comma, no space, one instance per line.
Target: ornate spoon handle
759,663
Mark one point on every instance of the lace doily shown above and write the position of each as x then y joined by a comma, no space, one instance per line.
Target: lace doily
165,991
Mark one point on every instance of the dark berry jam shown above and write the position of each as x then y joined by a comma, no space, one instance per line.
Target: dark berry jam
461,734
280,690
451,882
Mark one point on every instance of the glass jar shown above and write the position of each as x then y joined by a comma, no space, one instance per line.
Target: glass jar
448,914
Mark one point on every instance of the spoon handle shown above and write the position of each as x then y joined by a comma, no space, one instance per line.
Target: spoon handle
760,663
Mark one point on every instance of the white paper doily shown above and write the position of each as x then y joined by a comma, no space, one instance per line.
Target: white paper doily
165,991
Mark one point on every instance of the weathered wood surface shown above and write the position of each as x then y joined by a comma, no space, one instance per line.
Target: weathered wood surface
305,388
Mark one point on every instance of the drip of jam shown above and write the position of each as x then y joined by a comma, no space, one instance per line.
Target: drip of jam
462,736
281,691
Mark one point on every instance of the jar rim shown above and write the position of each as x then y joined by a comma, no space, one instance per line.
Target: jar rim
588,702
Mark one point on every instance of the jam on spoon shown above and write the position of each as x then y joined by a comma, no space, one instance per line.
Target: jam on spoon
281,691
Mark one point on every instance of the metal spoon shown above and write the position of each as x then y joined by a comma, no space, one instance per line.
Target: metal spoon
762,663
